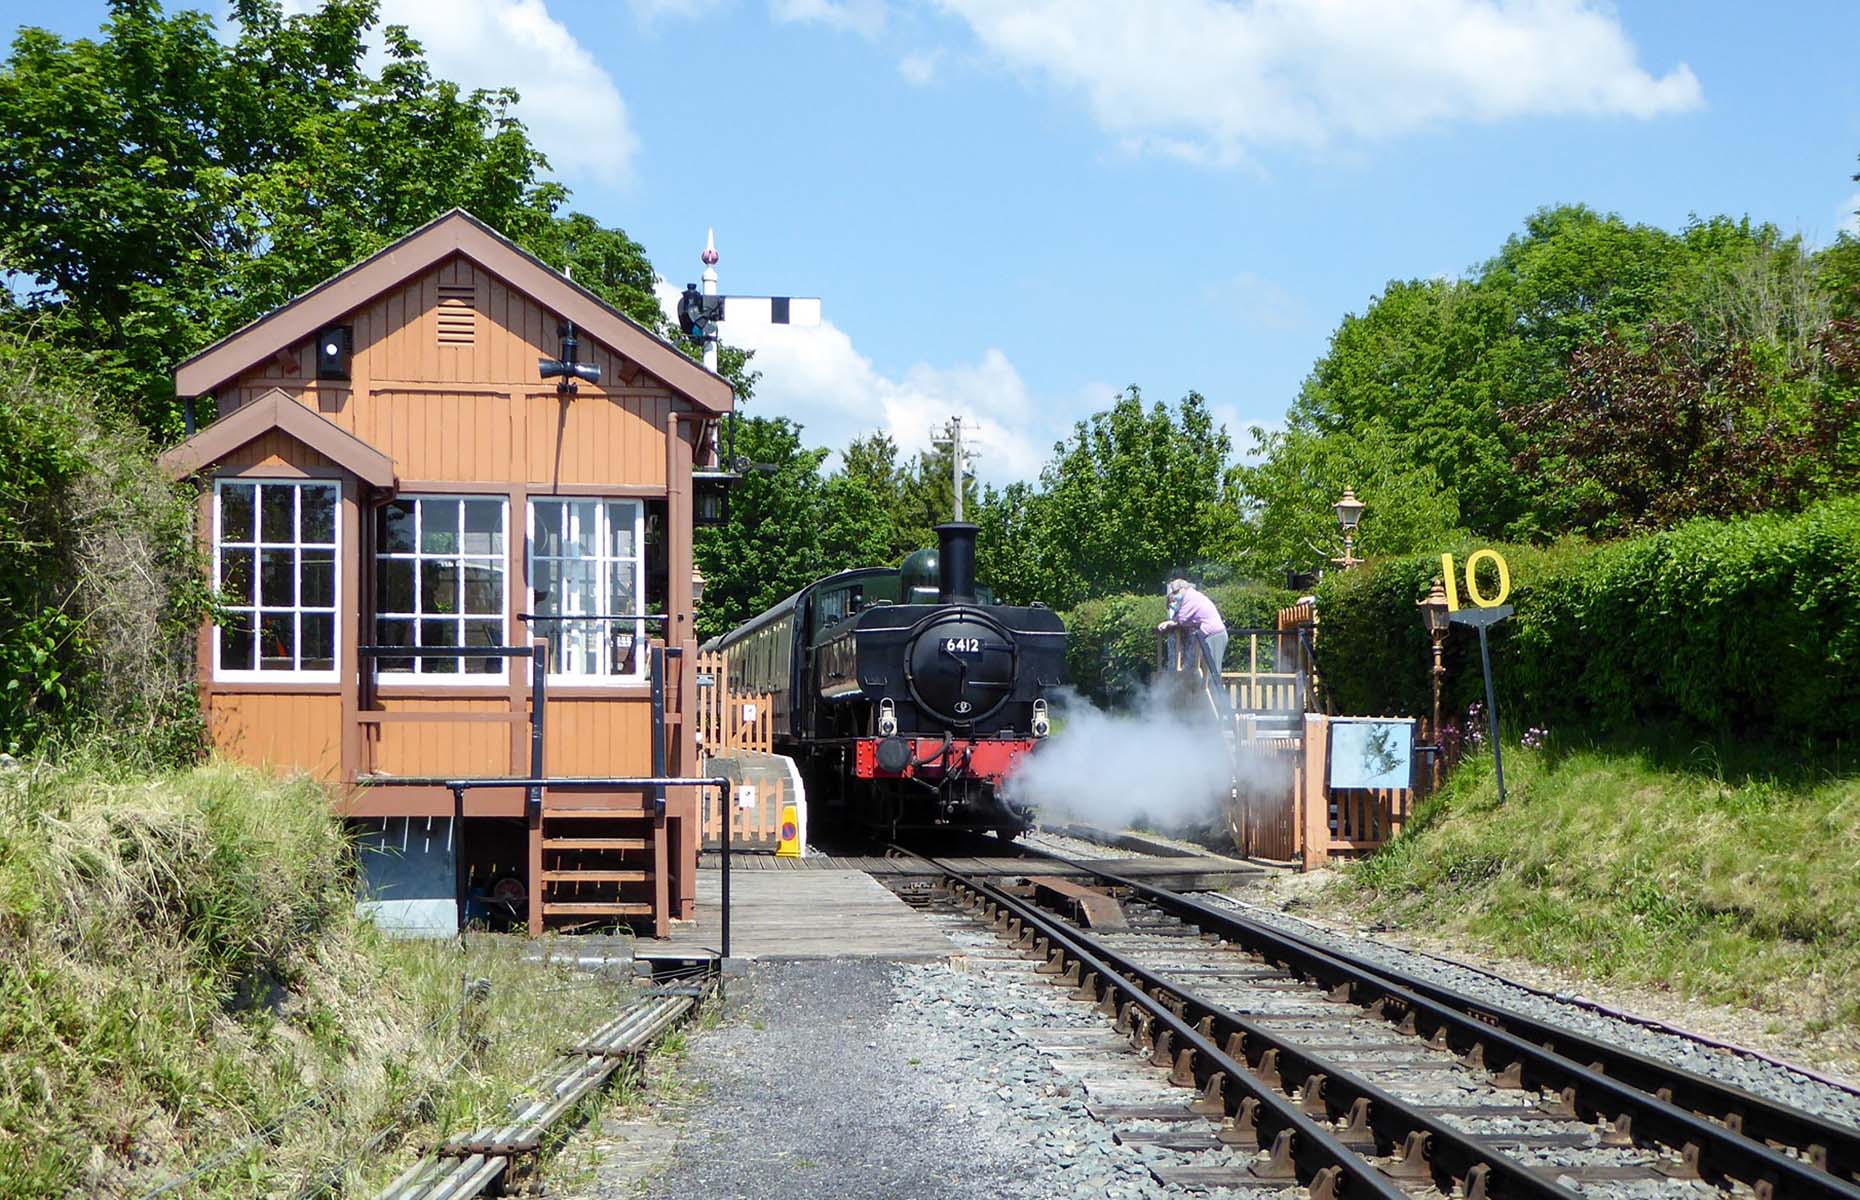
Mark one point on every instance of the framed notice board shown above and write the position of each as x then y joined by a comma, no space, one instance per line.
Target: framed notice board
1372,752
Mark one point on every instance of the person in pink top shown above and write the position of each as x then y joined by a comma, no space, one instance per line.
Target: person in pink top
1190,608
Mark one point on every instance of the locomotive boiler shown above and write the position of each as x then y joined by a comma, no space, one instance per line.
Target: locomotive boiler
905,694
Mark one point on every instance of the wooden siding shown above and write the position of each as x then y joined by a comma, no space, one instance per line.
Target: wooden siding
285,732
274,450
466,436
583,440
598,737
466,736
446,406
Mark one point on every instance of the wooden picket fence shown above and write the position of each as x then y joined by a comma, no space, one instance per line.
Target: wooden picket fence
1347,822
1264,817
736,731
1285,811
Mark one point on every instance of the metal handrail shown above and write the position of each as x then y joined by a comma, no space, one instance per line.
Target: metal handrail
458,788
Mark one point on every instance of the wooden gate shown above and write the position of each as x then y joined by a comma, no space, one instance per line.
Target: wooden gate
736,740
1347,821
729,720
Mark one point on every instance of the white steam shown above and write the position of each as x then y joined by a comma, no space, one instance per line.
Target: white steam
1164,763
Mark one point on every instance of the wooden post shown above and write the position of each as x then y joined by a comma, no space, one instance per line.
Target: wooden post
1314,795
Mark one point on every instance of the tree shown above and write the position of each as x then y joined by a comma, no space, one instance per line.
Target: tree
1445,366
1288,492
161,187
1647,437
1131,496
605,261
771,546
1010,542
859,526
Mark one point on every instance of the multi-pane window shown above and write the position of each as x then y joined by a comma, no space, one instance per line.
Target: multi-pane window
439,581
585,561
274,560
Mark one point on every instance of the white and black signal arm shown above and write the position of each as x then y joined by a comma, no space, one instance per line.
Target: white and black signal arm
699,315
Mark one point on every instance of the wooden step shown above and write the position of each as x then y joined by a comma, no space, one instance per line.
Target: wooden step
596,843
596,876
596,908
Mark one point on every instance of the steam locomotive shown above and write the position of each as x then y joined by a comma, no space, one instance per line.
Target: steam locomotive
905,694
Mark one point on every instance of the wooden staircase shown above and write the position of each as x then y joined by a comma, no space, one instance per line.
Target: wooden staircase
603,865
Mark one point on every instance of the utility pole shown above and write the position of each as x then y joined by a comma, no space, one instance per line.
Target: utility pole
952,437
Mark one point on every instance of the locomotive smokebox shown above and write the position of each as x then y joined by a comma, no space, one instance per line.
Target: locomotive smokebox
956,563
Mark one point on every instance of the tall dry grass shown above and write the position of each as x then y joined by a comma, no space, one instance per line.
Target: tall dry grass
184,982
101,578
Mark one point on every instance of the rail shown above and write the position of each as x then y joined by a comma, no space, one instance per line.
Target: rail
465,1165
1718,1129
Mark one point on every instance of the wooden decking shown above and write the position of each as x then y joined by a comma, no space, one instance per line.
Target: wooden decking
1187,872
811,914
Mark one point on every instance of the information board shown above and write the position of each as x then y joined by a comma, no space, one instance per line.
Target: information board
1371,752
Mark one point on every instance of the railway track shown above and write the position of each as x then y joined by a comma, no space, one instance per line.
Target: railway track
503,1158
1346,1078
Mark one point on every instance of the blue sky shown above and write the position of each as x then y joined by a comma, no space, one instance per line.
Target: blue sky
1011,210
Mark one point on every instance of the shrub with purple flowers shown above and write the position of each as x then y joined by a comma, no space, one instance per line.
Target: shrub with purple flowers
1534,738
1473,727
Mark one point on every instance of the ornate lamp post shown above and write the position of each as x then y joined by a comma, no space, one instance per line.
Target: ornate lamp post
697,586
1349,512
1437,620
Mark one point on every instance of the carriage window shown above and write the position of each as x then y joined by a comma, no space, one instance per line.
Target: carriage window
274,552
439,581
587,560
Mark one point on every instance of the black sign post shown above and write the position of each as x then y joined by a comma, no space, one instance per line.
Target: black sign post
1483,619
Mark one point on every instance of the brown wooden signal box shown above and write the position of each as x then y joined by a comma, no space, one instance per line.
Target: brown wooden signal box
389,471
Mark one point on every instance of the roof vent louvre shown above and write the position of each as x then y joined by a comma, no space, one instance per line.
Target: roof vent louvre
457,316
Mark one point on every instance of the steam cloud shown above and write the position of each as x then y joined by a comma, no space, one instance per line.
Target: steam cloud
1163,763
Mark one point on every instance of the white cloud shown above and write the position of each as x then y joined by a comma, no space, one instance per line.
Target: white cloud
816,376
919,68
863,17
648,11
1212,80
568,100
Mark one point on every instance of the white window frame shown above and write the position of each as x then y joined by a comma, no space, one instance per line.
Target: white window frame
419,675
603,562
256,608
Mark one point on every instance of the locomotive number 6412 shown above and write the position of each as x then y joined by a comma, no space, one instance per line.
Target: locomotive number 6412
962,645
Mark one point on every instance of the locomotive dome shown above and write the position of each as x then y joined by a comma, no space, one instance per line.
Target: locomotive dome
920,571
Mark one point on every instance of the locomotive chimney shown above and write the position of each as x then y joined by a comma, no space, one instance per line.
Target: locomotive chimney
955,563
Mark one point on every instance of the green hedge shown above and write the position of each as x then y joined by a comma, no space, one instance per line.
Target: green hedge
1111,641
1741,627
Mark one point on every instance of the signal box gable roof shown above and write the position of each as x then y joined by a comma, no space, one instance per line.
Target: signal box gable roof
278,410
455,232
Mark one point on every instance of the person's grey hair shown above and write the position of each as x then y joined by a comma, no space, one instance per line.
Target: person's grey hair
1176,585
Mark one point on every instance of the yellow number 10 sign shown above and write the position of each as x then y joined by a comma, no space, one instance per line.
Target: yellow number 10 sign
1479,599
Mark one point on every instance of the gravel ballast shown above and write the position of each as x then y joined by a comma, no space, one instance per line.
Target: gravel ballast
1759,1076
868,1079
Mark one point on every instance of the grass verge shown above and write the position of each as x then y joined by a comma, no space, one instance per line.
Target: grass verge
1721,883
184,981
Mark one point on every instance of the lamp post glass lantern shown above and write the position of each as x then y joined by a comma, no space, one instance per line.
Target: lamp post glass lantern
1437,619
1349,512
